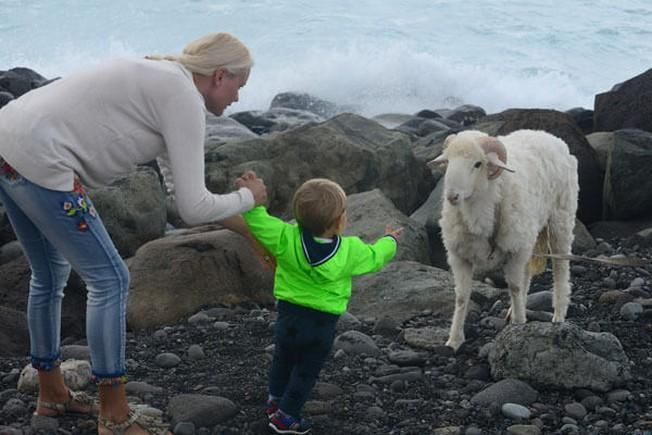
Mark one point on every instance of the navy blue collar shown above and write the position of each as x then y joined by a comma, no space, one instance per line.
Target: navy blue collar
318,253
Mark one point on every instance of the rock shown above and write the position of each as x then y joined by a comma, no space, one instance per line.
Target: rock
626,155
303,101
369,212
200,265
167,360
76,375
14,335
275,120
583,118
355,343
506,391
626,105
403,288
132,209
201,410
560,355
515,411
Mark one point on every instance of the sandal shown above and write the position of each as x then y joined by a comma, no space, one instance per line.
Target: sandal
151,425
76,399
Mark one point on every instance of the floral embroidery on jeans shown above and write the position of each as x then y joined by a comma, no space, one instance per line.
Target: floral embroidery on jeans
8,171
81,205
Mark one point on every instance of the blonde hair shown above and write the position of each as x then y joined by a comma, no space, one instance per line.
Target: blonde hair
317,204
214,51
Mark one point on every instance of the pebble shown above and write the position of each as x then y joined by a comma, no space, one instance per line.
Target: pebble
631,311
167,360
515,411
575,410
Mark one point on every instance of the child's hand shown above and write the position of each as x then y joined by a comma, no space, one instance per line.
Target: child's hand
394,233
254,184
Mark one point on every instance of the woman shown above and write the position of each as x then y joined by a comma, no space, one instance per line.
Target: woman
88,129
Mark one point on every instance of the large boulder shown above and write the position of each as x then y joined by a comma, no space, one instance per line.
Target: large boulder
404,289
563,126
174,277
559,355
275,120
303,101
627,157
14,336
19,81
626,105
369,212
220,129
133,209
354,151
14,288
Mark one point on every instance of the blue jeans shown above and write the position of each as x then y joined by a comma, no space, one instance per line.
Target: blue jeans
56,230
303,339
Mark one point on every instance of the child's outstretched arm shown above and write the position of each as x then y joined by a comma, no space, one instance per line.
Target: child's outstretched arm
372,257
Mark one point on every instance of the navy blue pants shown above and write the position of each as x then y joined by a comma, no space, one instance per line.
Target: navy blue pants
303,340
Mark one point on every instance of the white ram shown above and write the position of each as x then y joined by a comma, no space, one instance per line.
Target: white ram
492,219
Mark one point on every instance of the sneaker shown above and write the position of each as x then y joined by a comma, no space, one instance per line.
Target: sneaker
286,424
271,407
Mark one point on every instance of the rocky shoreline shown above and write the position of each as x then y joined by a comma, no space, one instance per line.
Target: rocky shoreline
201,313
211,370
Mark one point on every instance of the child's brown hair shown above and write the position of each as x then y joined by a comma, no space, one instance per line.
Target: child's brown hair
317,204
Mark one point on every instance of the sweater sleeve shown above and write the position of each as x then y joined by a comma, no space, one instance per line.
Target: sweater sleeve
183,127
268,230
371,257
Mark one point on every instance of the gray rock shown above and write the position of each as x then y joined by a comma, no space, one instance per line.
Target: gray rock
141,389
631,310
575,410
195,352
407,358
41,424
347,322
184,428
540,301
355,342
167,360
524,429
561,355
515,411
507,390
201,410
324,390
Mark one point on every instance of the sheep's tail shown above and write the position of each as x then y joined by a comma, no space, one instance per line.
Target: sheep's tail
539,262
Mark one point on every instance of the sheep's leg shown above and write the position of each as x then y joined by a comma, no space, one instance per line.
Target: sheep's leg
561,239
515,275
525,290
462,275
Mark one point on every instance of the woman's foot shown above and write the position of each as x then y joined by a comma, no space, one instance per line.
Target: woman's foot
135,424
73,403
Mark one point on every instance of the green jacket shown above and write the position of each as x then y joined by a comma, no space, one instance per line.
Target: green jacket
324,285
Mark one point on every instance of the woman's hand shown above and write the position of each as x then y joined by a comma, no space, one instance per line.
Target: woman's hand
255,185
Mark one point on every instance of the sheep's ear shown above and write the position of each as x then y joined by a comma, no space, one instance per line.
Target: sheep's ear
496,166
441,160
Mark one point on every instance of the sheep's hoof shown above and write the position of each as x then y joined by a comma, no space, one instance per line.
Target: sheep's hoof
557,319
454,344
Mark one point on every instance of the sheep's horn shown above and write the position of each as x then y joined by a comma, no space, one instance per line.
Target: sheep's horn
496,154
438,161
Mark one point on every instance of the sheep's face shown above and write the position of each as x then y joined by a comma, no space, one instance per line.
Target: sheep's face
474,159
466,176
